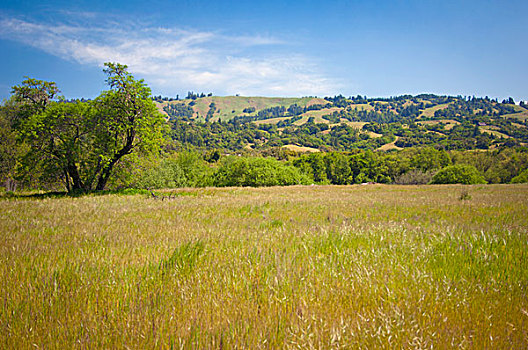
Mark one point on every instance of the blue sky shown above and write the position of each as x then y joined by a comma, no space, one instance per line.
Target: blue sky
271,48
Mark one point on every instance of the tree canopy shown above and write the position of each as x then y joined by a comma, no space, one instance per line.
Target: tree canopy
82,141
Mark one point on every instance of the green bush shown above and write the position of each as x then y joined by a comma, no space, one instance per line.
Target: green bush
458,174
167,174
521,178
256,171
185,169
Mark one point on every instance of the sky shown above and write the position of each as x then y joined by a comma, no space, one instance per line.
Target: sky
271,48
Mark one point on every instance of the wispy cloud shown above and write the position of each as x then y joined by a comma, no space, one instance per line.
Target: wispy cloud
174,59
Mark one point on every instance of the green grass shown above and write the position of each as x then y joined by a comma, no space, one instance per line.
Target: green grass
296,267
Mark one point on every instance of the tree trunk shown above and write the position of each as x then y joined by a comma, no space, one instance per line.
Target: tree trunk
127,149
103,179
67,180
73,172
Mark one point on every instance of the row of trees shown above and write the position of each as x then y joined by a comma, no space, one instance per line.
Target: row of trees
415,166
119,139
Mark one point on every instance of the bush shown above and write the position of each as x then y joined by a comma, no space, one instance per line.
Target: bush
167,174
185,169
414,177
255,172
458,174
521,178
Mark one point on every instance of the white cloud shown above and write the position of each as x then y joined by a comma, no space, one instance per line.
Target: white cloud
172,59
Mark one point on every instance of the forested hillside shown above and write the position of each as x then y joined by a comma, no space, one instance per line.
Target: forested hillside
343,124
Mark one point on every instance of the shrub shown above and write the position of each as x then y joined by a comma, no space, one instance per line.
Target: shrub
185,169
458,174
256,171
521,178
414,177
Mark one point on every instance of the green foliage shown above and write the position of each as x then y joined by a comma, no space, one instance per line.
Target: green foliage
9,149
458,174
416,121
313,165
497,166
61,142
128,121
197,172
83,142
166,174
521,178
186,169
256,171
32,97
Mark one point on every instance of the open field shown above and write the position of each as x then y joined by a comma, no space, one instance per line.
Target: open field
291,267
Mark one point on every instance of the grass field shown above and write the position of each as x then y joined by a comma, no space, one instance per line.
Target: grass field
296,267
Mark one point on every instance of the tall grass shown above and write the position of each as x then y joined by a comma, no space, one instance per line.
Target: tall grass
297,267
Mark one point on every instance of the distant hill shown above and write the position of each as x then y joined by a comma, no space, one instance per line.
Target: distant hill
338,123
227,107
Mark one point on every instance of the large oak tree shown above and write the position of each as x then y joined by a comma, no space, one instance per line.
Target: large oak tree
84,141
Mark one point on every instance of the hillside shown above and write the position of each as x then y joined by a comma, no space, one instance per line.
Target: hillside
225,108
235,123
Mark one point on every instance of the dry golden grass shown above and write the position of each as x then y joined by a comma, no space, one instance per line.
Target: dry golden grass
296,267
389,146
449,123
520,113
271,120
362,107
301,149
429,112
355,125
492,130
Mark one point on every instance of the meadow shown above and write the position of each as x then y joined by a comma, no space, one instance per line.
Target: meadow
376,266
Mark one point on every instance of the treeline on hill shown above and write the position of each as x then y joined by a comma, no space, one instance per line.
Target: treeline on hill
457,124
121,140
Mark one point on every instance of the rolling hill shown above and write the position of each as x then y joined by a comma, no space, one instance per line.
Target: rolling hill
236,123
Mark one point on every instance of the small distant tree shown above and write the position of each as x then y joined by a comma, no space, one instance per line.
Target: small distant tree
458,174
